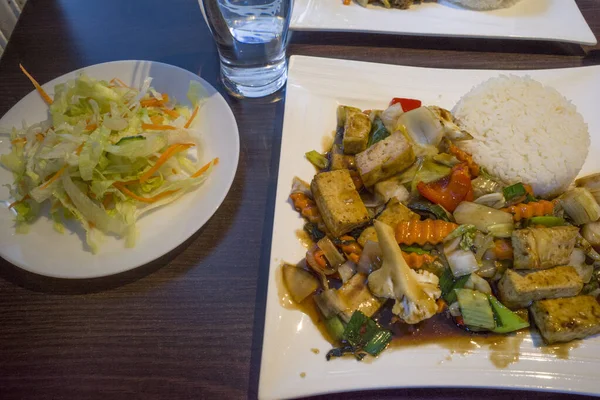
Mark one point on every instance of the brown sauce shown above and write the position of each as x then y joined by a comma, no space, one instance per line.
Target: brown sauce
304,238
440,330
327,142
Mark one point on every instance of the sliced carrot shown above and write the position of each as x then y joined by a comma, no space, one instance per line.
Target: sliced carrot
171,113
155,127
41,91
157,119
170,152
91,127
151,103
503,249
129,193
202,170
54,177
107,199
14,203
79,148
189,122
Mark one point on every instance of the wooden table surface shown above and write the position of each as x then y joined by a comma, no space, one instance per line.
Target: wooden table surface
190,324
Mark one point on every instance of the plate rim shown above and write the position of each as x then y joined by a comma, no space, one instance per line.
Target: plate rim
49,86
274,310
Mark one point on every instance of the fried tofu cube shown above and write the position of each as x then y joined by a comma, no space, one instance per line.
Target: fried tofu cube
338,201
517,290
540,248
394,213
356,132
385,159
566,319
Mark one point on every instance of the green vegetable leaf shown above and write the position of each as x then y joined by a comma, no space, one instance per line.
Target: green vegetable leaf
317,159
378,132
448,283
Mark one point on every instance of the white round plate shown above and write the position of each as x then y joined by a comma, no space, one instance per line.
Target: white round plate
47,252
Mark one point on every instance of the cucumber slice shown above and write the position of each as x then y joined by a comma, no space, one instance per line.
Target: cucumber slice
507,321
475,309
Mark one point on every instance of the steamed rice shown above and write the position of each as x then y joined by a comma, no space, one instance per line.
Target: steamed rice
524,132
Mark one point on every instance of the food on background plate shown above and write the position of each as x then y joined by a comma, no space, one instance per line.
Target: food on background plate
418,213
107,155
480,5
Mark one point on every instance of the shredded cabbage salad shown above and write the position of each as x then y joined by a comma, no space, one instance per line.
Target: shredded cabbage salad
108,154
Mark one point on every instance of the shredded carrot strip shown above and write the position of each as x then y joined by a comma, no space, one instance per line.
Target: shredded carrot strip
157,119
107,199
79,148
14,203
153,199
354,257
41,91
170,152
155,127
91,127
441,305
421,232
189,122
202,170
19,140
320,259
302,203
39,137
151,103
171,113
532,209
120,82
54,177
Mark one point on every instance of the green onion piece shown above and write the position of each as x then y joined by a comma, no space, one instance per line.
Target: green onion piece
448,284
547,220
378,132
506,320
335,327
414,249
460,231
378,342
475,309
514,191
317,159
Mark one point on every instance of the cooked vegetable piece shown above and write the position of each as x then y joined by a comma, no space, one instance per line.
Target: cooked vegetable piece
407,104
308,209
482,217
591,233
378,342
515,193
429,171
314,232
484,184
533,209
502,250
347,270
475,309
518,291
448,283
592,184
580,205
357,129
547,220
378,132
415,293
384,159
493,200
299,282
461,262
335,328
422,126
421,232
566,319
363,335
391,189
506,320
431,211
501,230
465,157
331,252
355,295
449,191
394,213
338,202
541,248
390,116
451,130
317,159
329,303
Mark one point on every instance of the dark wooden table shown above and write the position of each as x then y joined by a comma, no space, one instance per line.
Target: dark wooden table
190,324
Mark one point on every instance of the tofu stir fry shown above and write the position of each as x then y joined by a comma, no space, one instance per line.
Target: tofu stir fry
403,222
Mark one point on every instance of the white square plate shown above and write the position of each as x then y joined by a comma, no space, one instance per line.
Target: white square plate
558,20
315,88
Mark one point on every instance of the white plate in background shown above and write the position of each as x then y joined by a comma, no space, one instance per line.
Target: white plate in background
558,20
316,86
47,252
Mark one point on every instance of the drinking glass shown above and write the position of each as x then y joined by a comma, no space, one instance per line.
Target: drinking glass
251,37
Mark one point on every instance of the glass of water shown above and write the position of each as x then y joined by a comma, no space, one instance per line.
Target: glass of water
251,37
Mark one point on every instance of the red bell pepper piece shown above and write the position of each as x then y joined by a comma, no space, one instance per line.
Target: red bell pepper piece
407,104
450,190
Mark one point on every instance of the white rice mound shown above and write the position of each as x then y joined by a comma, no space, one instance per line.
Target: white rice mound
524,132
